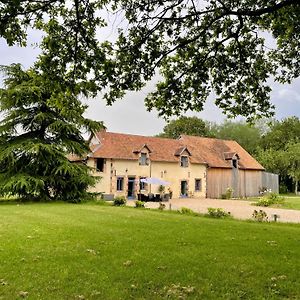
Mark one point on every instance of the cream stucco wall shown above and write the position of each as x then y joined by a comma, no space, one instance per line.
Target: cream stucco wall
168,171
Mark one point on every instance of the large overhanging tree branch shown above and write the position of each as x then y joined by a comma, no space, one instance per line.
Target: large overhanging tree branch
199,47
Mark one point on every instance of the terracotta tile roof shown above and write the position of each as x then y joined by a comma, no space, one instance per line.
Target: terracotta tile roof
125,146
202,150
212,151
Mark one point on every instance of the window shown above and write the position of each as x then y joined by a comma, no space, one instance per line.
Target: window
234,163
143,159
120,183
100,164
184,161
198,185
143,185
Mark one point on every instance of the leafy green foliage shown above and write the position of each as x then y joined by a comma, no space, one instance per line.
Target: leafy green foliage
280,149
71,51
248,136
184,125
161,206
270,199
200,47
217,213
281,133
42,124
260,216
139,204
119,201
197,47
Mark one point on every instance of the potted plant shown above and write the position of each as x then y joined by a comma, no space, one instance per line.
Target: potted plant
161,190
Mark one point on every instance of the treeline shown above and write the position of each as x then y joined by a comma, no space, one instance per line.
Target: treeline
274,143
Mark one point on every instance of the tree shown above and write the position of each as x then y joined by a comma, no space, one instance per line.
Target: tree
184,125
204,46
281,133
248,136
71,51
42,124
276,151
292,160
198,47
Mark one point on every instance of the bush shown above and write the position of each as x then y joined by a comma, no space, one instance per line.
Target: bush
139,204
162,206
217,213
120,201
187,211
228,193
270,199
260,216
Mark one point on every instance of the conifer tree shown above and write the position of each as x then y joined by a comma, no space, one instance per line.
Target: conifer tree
42,123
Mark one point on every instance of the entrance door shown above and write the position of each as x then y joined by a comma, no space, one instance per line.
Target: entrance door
183,189
131,183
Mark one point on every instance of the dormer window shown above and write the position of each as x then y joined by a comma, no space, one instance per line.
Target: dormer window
234,163
184,161
143,160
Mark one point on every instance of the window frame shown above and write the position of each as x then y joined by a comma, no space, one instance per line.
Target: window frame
143,159
198,188
184,163
103,164
120,179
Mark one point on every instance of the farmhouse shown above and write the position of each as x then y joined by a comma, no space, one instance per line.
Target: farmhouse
193,166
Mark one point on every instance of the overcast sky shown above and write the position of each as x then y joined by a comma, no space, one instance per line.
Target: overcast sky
130,116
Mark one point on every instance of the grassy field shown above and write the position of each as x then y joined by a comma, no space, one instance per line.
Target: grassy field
291,202
88,251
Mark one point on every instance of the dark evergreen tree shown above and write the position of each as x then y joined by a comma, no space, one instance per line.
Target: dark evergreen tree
42,123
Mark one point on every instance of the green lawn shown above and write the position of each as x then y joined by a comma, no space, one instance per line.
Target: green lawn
88,251
291,202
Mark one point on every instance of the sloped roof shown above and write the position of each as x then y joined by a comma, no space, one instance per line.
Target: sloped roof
203,150
212,151
124,146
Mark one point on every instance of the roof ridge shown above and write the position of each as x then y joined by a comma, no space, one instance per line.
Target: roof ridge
206,137
139,135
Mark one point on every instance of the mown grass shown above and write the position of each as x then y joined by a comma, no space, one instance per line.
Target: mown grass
290,202
87,251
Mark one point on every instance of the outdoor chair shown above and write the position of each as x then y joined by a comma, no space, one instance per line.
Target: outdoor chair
151,197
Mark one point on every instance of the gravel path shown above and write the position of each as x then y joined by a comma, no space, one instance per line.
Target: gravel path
238,209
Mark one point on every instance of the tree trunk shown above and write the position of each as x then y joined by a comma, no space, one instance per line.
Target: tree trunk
296,187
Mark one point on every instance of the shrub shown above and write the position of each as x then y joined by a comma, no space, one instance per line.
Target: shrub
139,204
187,211
162,206
161,189
270,199
228,193
260,216
217,213
120,201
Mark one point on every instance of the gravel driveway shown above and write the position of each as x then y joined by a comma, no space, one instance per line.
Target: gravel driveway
238,209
